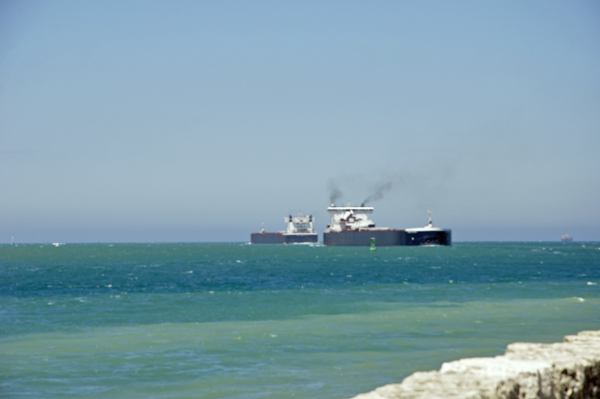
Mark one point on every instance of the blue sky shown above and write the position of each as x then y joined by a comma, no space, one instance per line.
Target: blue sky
146,121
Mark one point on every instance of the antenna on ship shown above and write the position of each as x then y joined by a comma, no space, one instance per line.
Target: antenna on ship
430,211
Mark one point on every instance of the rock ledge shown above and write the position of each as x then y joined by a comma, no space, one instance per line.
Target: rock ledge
570,369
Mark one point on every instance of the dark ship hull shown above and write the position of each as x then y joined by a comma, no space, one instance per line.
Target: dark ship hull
386,238
280,238
363,238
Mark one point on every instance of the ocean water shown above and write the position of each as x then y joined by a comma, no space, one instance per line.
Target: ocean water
296,321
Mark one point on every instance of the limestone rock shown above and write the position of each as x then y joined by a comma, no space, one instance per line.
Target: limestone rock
567,370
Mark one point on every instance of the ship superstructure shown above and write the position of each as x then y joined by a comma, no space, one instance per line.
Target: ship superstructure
299,225
349,218
351,226
299,230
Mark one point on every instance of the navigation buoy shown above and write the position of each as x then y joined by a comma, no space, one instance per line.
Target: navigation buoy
373,244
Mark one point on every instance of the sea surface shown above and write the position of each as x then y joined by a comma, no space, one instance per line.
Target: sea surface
266,321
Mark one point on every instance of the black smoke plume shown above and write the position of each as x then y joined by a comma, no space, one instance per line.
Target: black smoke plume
334,192
380,191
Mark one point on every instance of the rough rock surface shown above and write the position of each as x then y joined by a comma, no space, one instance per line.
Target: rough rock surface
570,369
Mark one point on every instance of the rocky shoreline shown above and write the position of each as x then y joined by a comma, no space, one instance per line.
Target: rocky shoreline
570,369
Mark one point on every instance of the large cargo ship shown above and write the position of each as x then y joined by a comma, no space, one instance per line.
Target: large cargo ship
299,230
351,226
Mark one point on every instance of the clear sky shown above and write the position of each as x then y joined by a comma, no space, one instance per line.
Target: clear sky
149,121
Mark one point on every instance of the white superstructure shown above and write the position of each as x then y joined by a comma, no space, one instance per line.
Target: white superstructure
299,224
349,218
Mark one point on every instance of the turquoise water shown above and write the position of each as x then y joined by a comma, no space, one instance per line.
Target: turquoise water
301,321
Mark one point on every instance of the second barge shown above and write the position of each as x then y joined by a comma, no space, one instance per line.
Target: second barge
299,230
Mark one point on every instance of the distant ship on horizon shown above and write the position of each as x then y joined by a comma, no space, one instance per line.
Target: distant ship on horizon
566,238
